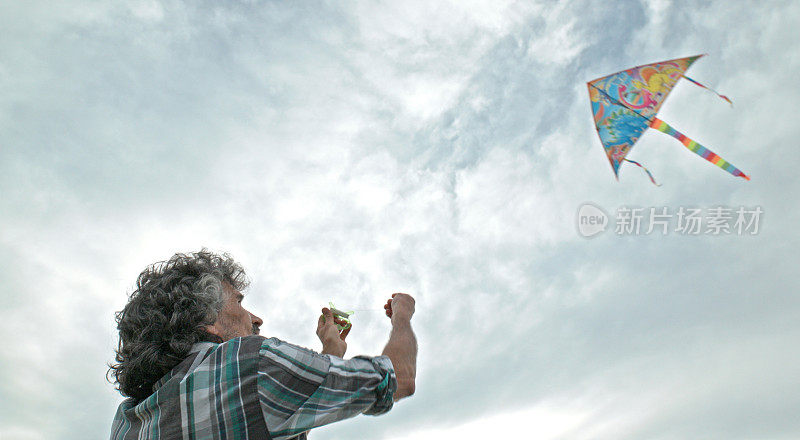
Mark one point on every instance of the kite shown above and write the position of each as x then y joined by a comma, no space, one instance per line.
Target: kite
624,105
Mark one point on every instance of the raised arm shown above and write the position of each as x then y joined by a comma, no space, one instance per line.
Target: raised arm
402,345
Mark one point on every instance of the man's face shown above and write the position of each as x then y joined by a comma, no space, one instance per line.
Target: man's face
234,320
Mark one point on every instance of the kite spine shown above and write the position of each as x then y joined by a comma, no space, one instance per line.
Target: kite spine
698,149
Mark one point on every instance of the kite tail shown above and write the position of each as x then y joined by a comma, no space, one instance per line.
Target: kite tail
645,170
696,148
709,88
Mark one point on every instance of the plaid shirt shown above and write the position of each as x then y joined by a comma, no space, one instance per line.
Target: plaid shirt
256,388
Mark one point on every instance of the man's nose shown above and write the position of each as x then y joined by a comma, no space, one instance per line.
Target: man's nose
256,320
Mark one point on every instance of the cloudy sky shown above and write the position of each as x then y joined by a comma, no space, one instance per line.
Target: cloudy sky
342,151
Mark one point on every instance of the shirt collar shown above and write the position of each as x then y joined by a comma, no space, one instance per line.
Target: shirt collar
202,346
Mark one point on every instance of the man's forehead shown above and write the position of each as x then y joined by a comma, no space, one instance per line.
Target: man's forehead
231,291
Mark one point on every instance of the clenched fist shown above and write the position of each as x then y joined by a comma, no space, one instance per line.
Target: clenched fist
400,307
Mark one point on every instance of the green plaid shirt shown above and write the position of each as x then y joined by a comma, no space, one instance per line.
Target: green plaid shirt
256,388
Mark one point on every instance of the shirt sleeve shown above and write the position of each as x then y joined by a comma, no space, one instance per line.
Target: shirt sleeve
300,389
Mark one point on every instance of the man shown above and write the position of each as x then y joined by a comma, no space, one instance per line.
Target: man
192,365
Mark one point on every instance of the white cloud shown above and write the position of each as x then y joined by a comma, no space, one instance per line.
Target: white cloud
442,149
541,422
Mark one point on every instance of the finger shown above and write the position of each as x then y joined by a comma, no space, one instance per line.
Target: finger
327,316
346,331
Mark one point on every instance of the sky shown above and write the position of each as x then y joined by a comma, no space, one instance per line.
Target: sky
342,151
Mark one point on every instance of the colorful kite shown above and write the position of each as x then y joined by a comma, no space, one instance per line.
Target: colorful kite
625,104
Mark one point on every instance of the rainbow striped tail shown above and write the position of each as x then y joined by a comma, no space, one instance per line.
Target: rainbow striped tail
696,148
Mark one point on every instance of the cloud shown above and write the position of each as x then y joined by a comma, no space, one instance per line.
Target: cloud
342,153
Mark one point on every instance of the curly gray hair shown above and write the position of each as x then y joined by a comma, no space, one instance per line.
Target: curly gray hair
167,313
